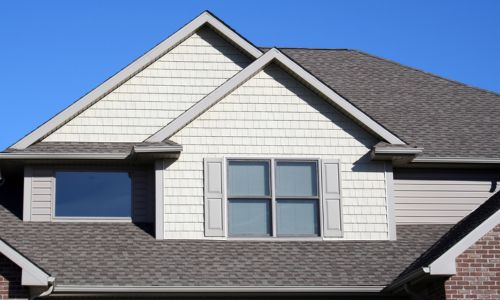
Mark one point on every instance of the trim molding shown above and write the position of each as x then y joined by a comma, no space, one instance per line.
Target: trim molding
159,200
389,193
273,55
32,275
445,264
136,66
215,289
17,155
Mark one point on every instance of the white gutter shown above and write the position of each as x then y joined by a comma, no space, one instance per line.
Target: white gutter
215,289
398,150
157,149
17,155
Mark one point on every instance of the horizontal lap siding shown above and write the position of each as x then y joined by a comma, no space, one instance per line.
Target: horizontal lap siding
273,115
158,94
42,193
440,196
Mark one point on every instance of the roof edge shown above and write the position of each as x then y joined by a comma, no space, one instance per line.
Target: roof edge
215,289
32,275
133,68
445,264
273,55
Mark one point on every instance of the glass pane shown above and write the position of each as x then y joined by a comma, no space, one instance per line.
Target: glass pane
248,178
93,194
249,217
297,217
296,178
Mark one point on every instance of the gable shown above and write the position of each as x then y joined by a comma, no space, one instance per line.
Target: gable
158,94
274,115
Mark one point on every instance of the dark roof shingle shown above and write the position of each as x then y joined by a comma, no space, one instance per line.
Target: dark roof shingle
446,118
125,255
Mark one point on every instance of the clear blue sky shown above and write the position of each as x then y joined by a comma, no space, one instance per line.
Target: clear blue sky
53,52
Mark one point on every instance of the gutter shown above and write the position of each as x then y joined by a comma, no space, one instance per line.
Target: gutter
401,282
17,155
47,292
214,289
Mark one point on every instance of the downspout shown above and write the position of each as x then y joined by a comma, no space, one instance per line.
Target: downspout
48,291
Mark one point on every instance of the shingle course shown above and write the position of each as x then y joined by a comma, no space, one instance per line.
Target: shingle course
447,118
126,255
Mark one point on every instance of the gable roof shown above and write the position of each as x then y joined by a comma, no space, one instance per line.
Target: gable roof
125,255
446,118
273,56
206,18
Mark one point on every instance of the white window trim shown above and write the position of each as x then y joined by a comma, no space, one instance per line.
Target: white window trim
55,218
272,162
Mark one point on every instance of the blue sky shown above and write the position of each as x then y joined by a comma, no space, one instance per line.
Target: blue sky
53,52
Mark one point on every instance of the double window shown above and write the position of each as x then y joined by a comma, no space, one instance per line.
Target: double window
273,197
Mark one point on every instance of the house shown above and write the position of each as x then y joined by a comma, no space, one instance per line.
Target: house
213,168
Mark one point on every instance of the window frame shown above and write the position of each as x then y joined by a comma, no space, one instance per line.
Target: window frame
91,219
272,182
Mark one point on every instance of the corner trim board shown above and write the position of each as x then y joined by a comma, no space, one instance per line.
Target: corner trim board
256,66
389,194
136,66
159,200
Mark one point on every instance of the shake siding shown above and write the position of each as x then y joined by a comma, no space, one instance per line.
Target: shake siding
440,196
273,115
158,94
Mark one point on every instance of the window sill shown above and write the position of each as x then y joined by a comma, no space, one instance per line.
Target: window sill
92,219
276,239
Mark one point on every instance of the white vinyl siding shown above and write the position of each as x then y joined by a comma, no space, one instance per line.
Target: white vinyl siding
434,196
273,115
158,94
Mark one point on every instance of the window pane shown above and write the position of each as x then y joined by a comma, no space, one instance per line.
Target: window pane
248,178
297,217
249,217
93,194
296,178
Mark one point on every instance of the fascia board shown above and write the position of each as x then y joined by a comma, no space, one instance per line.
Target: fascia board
245,74
132,69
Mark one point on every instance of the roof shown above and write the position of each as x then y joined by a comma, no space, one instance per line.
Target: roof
446,118
125,254
88,150
457,233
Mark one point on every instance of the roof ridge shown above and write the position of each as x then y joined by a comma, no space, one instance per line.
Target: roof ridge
426,72
308,48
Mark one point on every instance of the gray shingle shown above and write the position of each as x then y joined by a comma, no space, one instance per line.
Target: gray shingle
85,147
124,254
447,118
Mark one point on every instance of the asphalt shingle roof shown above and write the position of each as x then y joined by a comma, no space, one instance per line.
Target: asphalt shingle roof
447,118
85,147
126,255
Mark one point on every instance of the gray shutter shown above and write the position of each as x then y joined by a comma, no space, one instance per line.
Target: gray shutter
332,220
214,198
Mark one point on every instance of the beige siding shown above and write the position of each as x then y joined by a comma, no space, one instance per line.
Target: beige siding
440,196
154,97
42,193
273,115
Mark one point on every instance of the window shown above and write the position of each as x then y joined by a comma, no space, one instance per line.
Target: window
93,194
289,206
